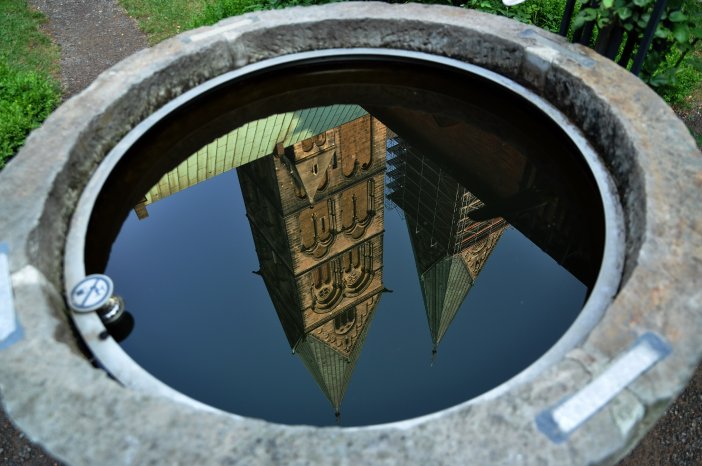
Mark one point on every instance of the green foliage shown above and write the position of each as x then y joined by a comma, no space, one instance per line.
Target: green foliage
676,83
276,4
677,33
26,99
28,61
545,14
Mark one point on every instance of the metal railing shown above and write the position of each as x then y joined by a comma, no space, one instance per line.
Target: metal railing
611,38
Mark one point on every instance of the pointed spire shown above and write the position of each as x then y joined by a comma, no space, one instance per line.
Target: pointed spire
447,262
331,365
444,287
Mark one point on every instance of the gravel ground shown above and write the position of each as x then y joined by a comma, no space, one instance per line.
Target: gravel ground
676,440
16,450
94,35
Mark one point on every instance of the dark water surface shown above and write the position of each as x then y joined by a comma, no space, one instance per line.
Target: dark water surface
365,278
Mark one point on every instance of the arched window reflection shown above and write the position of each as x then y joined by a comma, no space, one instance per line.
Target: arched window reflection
343,322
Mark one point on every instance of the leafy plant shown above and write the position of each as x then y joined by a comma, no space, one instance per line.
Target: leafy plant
545,14
677,33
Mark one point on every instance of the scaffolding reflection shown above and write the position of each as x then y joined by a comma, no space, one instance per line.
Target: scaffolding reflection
450,249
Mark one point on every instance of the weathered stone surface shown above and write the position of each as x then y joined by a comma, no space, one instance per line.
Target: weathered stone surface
82,416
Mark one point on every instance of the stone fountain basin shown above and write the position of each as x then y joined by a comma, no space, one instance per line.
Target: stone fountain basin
82,416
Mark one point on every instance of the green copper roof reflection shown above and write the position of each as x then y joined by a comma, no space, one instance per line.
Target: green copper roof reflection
331,370
444,287
250,142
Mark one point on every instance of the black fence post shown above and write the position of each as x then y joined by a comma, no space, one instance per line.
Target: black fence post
567,17
648,36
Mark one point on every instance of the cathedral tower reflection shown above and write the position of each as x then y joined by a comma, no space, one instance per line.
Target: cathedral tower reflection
449,248
316,215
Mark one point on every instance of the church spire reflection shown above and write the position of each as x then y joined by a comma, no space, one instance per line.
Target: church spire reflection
316,215
450,249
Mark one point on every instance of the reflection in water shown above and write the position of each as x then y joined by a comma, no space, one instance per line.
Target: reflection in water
314,184
449,247
553,203
246,144
316,215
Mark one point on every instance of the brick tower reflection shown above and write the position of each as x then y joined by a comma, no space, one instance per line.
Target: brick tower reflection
449,248
316,214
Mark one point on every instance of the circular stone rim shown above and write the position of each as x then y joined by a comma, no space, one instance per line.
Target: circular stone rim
119,364
59,400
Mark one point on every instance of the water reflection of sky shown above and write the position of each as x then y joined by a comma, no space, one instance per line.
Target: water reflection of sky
205,324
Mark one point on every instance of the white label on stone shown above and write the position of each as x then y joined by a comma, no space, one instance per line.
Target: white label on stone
560,421
8,319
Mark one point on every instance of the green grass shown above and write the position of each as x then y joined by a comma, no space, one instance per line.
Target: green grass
685,93
29,90
161,19
217,10
687,79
